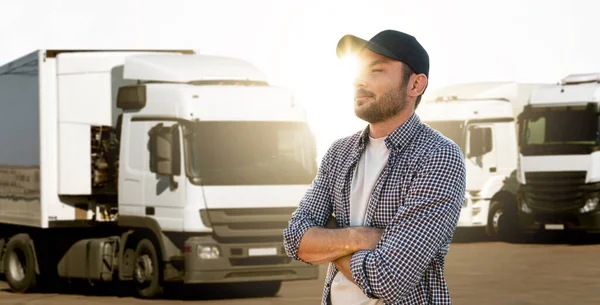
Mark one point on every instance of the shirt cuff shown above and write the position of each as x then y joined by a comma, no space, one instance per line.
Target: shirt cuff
359,272
292,236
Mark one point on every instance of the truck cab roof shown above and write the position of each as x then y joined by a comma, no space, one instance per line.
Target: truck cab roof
514,94
574,89
454,109
185,68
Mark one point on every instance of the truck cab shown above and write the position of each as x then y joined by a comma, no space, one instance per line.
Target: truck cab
480,119
559,154
484,130
227,159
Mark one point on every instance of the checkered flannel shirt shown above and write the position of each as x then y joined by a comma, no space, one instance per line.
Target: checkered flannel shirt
417,200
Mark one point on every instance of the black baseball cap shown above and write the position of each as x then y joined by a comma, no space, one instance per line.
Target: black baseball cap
392,44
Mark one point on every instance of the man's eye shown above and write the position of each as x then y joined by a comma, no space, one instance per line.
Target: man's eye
377,70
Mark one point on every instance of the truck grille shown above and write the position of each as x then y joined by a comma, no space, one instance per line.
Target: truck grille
249,225
554,191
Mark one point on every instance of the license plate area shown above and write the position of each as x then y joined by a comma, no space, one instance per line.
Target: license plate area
552,226
271,251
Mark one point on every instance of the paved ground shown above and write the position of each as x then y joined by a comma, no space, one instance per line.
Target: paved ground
552,269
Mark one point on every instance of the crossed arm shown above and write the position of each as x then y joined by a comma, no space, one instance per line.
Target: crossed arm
323,245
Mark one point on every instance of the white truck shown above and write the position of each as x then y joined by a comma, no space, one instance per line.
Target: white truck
559,157
480,119
149,167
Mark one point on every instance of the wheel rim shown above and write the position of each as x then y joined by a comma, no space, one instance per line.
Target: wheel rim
143,269
496,220
17,264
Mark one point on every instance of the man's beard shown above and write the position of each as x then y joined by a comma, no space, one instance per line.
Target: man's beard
384,107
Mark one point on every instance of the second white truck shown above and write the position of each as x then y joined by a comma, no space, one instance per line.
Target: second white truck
480,118
559,157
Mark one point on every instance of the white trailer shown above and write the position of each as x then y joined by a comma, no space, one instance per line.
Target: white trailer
155,167
480,119
559,157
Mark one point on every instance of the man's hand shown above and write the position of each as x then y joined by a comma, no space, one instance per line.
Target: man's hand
343,265
323,245
371,236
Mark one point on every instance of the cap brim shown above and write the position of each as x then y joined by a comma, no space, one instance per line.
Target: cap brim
350,44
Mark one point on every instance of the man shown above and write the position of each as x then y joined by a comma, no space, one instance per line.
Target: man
395,188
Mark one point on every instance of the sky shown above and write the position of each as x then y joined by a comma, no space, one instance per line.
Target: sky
293,42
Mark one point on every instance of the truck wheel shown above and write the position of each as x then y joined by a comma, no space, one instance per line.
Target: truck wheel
19,264
146,270
495,224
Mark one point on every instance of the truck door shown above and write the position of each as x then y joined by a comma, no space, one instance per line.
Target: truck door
165,180
481,155
151,182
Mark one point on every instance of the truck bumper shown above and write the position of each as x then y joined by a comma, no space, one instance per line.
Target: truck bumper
474,213
543,221
242,262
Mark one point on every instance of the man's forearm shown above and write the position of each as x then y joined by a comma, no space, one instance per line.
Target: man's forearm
321,245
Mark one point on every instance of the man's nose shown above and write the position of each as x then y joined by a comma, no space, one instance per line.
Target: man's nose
359,82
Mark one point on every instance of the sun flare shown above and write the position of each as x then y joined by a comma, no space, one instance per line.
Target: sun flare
326,88
348,68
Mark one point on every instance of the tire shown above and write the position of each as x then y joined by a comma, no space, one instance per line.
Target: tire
147,270
502,222
496,224
19,264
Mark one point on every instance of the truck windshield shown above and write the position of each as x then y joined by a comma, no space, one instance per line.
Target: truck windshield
454,130
250,153
558,130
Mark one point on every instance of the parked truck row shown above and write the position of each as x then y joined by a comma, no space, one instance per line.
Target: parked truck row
531,152
152,168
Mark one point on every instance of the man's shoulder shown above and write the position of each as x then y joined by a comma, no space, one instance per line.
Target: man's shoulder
339,150
341,146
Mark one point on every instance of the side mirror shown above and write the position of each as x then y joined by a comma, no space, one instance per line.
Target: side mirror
165,150
131,97
480,141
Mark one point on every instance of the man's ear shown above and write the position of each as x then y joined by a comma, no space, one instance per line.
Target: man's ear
417,85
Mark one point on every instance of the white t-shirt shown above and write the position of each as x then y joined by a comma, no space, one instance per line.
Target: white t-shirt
368,170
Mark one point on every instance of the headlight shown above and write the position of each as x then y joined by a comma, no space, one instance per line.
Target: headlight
207,252
524,207
475,206
590,205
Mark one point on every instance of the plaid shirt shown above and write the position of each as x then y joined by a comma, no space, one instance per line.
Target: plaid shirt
417,200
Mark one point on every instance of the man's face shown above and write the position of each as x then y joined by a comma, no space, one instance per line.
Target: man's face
380,91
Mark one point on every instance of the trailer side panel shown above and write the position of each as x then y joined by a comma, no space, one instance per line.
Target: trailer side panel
20,142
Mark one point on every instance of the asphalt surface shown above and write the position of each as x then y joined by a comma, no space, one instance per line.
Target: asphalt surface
547,269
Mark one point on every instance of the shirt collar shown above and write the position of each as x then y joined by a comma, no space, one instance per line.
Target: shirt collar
398,138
